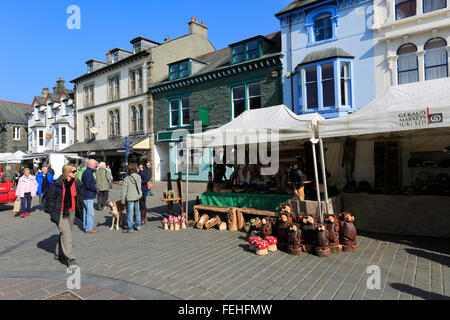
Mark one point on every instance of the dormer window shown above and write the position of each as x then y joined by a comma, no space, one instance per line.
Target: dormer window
90,67
137,47
321,24
179,70
115,57
246,51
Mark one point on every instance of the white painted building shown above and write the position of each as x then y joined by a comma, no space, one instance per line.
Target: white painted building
412,41
51,122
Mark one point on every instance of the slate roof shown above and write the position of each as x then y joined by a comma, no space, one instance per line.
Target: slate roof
61,121
327,53
38,125
297,4
14,112
98,145
222,58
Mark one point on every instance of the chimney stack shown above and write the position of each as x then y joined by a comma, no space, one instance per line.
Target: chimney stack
197,28
108,58
45,92
59,86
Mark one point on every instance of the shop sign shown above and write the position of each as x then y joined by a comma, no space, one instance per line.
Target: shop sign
419,119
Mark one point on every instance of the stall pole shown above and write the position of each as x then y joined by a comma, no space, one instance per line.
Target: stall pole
324,174
313,142
187,182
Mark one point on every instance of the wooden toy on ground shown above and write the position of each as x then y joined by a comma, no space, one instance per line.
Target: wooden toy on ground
322,243
165,222
295,238
202,221
332,225
308,233
347,232
252,241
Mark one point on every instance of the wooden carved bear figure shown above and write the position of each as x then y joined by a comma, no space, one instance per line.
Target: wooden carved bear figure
322,241
286,210
308,230
295,241
348,230
266,228
283,230
331,222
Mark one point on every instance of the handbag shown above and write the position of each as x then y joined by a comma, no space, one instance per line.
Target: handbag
149,185
17,205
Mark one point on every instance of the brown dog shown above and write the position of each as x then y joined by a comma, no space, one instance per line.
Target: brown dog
116,209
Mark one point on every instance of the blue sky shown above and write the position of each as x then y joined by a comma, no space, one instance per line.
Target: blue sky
37,47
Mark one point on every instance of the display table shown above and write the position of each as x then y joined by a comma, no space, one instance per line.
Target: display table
245,200
408,215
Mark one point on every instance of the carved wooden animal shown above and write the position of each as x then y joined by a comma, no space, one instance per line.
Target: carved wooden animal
332,225
322,237
308,230
322,243
295,241
266,228
348,230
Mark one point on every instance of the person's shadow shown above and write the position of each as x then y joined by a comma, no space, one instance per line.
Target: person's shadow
49,245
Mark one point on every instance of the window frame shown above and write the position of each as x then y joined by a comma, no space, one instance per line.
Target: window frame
88,95
17,135
89,122
337,63
315,14
405,1
245,51
179,100
423,6
115,87
444,48
409,70
179,69
246,86
39,145
62,136
138,82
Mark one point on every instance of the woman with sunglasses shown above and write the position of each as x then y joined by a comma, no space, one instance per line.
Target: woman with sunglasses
64,203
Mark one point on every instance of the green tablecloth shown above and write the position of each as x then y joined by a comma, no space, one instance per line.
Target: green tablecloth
245,200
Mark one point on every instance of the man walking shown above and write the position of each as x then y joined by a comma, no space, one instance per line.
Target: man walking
89,190
44,180
102,182
50,169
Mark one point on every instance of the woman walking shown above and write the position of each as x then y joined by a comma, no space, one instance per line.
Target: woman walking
131,193
26,190
65,202
145,178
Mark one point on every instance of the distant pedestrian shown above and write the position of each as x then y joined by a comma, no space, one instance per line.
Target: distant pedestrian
89,190
148,171
50,169
22,168
65,202
80,169
145,178
44,180
26,190
108,167
102,184
131,193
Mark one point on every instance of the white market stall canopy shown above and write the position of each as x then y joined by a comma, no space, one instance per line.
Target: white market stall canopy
420,105
16,157
263,125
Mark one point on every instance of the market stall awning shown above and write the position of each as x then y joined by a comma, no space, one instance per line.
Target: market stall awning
263,125
420,105
105,145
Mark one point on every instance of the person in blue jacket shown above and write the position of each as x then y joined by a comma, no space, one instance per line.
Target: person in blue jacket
44,179
89,190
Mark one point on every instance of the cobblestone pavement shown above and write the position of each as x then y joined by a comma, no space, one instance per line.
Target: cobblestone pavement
213,264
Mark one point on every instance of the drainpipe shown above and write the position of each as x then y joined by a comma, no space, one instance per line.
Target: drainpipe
290,63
